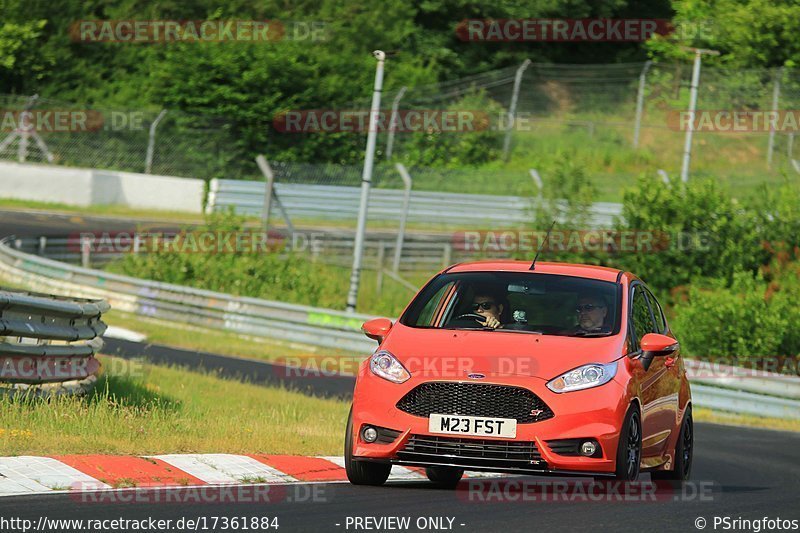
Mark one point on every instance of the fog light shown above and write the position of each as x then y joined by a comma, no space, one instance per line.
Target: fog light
588,448
369,434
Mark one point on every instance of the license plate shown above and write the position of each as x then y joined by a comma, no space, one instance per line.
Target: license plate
472,425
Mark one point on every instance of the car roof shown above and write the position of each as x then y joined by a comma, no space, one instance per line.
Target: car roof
542,267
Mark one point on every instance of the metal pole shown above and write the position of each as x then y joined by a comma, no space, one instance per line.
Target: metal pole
269,180
151,143
640,103
776,94
512,108
392,121
366,180
401,231
687,146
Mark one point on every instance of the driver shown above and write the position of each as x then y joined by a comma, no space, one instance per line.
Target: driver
592,311
488,304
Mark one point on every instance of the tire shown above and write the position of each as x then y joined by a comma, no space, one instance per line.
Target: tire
446,477
684,451
629,448
362,472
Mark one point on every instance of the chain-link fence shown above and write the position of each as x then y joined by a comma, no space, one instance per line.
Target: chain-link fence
610,122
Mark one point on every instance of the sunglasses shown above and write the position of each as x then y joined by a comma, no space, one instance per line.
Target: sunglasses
585,308
483,305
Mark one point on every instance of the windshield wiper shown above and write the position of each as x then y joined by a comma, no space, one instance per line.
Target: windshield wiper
589,334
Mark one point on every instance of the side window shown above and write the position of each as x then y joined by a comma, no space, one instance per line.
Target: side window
429,312
658,313
640,313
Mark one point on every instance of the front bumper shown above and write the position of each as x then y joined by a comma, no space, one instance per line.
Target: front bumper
588,414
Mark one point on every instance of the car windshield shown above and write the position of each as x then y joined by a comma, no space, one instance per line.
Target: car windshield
545,304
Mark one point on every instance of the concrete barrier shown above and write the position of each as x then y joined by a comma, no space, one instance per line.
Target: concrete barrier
84,187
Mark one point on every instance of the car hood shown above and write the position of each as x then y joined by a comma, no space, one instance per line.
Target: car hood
456,353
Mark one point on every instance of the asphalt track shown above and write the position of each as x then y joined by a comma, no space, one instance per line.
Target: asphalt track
739,473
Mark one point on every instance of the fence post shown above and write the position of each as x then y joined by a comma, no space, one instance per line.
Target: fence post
393,120
379,266
151,143
401,231
269,180
512,108
640,103
86,252
776,94
447,254
42,245
663,175
366,181
687,145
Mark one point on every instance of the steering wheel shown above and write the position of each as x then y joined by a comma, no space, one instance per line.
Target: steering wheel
474,316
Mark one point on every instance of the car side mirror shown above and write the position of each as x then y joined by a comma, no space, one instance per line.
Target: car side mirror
377,328
656,345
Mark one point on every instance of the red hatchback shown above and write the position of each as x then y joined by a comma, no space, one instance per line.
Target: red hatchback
563,369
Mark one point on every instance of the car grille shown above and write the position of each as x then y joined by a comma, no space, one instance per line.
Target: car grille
475,399
472,453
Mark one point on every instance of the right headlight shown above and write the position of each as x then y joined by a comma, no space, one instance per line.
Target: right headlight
385,365
583,377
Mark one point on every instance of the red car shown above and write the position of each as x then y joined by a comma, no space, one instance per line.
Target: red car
502,366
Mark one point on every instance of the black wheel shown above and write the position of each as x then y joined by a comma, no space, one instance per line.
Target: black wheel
446,477
684,449
362,472
629,448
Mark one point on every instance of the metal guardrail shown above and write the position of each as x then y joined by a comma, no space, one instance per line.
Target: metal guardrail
330,202
48,342
175,303
766,395
742,402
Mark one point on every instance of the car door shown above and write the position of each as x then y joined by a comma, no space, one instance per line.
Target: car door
658,385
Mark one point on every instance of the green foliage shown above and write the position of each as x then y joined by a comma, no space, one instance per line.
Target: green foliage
735,321
480,142
748,33
696,229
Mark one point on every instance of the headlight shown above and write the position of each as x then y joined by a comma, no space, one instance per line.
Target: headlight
583,377
385,365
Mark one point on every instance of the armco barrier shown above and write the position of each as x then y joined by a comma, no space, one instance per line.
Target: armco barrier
333,202
47,343
323,327
175,303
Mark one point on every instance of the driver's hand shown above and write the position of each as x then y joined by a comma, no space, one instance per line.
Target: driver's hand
492,322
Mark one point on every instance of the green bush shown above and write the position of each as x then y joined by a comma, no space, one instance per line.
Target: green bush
457,148
730,321
701,231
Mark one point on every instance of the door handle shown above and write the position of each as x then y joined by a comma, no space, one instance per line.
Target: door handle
669,362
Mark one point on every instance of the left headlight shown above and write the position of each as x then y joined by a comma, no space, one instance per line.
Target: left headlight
385,365
583,377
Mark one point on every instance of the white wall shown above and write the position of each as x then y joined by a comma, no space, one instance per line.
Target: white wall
84,187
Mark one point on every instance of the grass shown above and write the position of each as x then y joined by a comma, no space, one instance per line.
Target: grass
731,419
116,211
145,409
